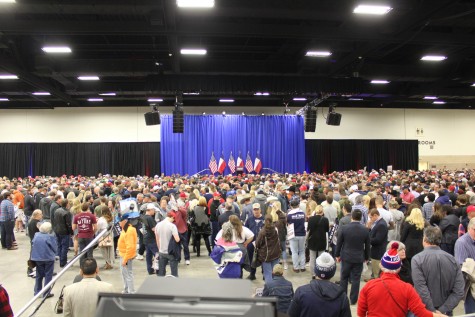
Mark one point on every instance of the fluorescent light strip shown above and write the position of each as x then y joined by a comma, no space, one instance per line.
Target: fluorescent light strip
190,93
372,9
41,93
430,97
4,99
56,49
433,58
261,94
88,77
226,100
299,99
380,81
439,102
318,53
195,3
95,99
192,51
108,94
155,100
8,76
7,1
355,99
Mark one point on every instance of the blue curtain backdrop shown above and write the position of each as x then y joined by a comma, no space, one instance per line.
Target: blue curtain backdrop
278,139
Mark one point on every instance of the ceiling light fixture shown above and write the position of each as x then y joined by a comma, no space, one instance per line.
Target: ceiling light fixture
204,113
88,77
318,53
56,49
473,85
195,3
439,102
380,81
8,76
372,9
299,99
430,97
226,100
193,51
355,99
243,113
7,1
4,99
41,93
191,93
224,113
95,99
261,94
433,58
154,100
108,94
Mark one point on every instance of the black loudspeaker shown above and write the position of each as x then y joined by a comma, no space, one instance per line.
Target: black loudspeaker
152,118
310,120
334,118
178,121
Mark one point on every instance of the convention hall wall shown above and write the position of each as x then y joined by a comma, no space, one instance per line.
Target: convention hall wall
443,135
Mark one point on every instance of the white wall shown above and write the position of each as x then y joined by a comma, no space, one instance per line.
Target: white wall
448,131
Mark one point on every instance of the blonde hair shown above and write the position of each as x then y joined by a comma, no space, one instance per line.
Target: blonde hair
416,219
71,196
311,205
366,200
76,206
276,206
319,210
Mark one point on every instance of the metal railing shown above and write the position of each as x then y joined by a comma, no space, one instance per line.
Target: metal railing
47,287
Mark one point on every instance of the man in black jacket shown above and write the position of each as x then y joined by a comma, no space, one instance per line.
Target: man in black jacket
55,205
63,230
352,250
29,205
45,204
379,239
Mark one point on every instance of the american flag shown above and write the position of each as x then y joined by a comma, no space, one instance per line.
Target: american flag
212,164
249,165
231,164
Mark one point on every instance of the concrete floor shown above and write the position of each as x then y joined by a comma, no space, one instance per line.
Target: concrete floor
20,287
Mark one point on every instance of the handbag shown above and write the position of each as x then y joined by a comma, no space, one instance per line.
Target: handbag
116,229
106,242
58,308
255,262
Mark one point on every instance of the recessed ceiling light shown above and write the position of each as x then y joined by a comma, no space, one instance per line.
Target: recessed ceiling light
318,53
261,94
95,99
439,102
299,99
88,77
56,49
8,76
430,97
372,9
195,3
193,51
226,100
433,58
154,99
4,99
380,81
108,94
41,93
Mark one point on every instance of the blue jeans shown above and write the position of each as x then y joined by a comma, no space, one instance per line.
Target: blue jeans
267,267
297,246
164,259
184,244
469,304
352,272
44,269
214,232
151,249
63,245
284,250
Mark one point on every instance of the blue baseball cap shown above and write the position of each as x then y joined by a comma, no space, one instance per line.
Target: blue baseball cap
129,215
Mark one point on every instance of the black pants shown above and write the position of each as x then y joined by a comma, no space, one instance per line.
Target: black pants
6,233
352,272
197,241
141,244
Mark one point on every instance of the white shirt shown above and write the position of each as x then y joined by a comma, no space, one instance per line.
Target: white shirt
245,235
386,215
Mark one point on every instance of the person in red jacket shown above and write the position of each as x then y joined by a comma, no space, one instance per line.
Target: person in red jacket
387,295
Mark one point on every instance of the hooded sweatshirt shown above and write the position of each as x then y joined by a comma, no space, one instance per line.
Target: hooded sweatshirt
320,298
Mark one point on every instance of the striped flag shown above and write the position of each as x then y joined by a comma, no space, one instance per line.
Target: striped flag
240,162
221,164
249,166
212,164
231,164
257,164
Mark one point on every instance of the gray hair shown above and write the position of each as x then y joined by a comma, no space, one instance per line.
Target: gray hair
432,235
359,200
45,227
227,232
471,224
385,270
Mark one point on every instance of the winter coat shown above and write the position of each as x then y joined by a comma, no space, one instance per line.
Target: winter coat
412,238
449,226
268,245
318,227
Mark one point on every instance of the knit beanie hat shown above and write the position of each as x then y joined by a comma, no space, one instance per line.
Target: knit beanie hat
390,259
325,266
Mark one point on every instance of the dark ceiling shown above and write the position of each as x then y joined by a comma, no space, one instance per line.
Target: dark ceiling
252,46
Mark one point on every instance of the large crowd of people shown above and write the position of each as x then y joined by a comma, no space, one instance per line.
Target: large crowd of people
413,230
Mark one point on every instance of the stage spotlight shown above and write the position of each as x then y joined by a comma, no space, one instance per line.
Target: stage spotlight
224,113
